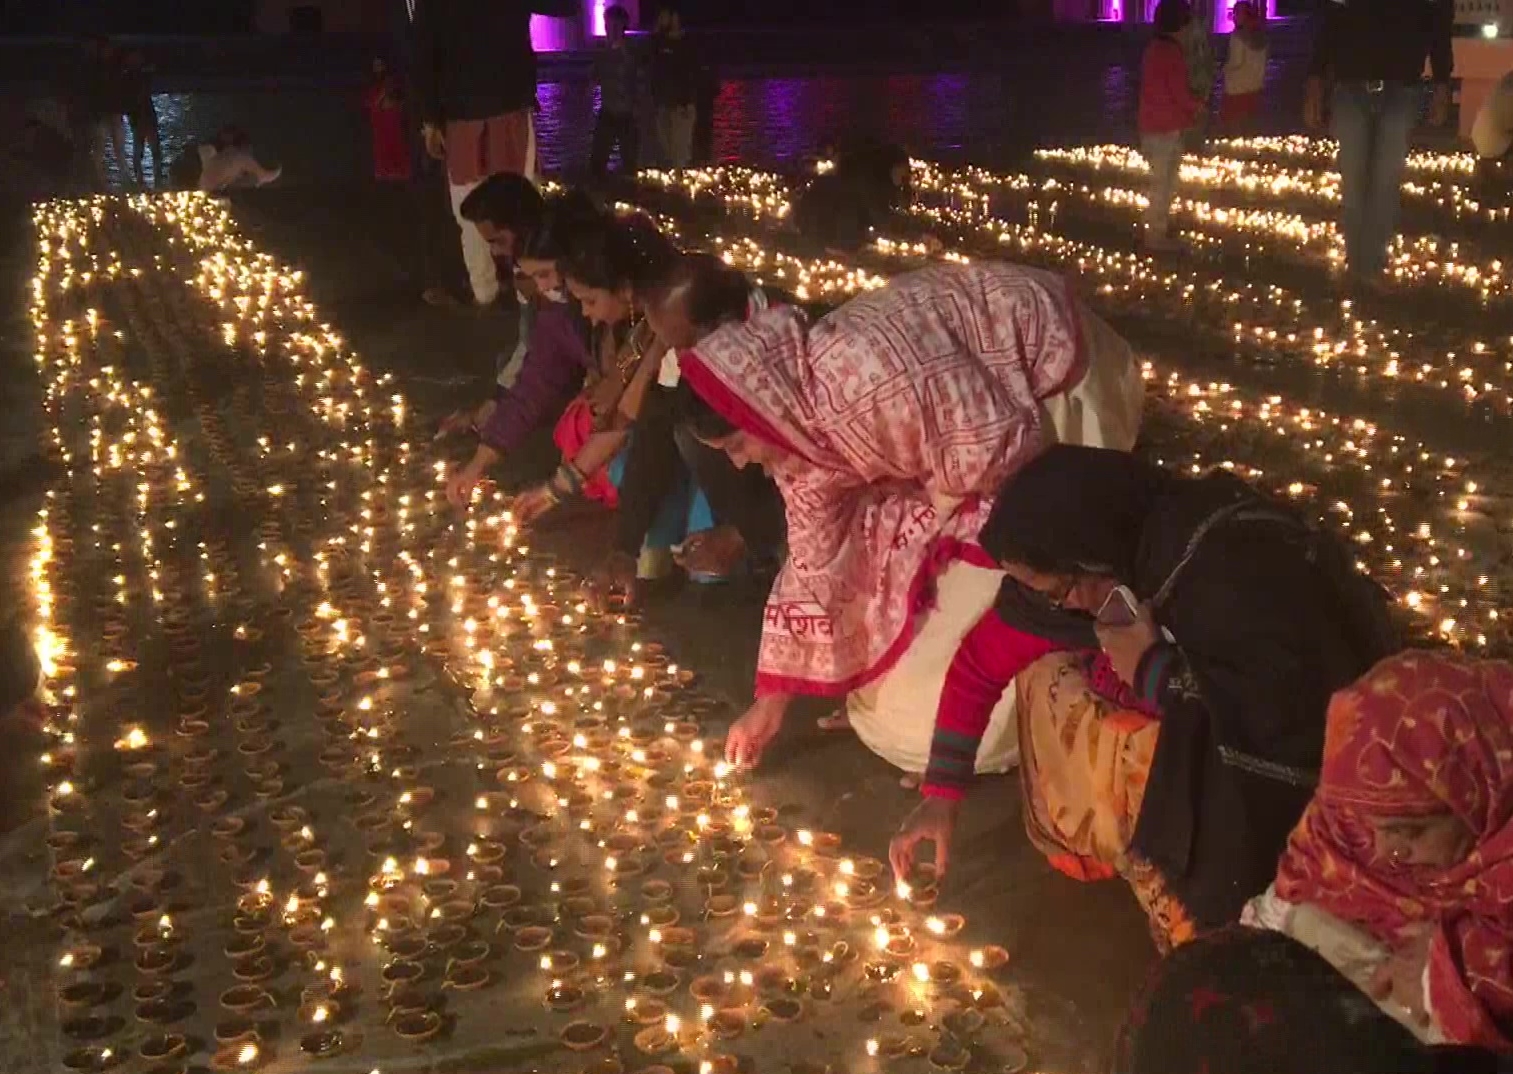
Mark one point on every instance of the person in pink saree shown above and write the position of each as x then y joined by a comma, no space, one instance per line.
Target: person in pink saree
888,425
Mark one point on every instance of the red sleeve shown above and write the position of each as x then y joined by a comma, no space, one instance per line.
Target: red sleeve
986,662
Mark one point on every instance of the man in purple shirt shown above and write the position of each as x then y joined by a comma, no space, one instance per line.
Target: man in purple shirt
537,233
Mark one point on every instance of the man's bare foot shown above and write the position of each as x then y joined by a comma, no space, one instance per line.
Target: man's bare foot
713,553
836,721
439,297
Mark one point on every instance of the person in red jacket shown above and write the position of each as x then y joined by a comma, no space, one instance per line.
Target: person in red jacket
1167,108
386,122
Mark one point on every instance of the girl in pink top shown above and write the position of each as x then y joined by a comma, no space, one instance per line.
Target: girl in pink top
1167,108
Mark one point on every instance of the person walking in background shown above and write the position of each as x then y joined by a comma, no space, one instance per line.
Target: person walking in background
674,89
143,116
475,80
386,124
1373,55
617,72
99,110
1244,69
1168,107
1202,66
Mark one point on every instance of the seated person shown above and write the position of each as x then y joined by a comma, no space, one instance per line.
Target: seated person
692,297
887,474
865,189
1183,758
1401,871
1245,1001
220,164
556,356
595,430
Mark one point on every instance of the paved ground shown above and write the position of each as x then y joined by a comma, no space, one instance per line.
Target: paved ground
1079,950
1384,415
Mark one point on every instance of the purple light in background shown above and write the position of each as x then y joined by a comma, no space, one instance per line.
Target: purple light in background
552,35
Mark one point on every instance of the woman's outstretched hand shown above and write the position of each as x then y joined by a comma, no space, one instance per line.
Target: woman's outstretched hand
532,504
459,421
461,484
1401,977
749,735
932,821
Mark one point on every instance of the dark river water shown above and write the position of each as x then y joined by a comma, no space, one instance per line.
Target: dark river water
990,102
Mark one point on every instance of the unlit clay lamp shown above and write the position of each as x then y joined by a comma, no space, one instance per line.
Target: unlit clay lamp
583,1036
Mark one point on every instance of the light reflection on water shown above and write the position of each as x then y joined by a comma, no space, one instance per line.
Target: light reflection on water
986,116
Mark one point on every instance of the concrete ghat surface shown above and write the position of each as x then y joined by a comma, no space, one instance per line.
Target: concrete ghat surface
1075,952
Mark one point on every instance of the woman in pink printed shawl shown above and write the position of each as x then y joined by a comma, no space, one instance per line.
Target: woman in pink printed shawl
888,425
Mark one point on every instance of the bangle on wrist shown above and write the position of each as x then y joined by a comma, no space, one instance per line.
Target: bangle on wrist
567,481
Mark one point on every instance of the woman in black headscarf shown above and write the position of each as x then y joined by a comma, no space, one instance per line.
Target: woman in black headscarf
1226,623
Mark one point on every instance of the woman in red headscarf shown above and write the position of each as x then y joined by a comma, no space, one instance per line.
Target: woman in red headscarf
1409,839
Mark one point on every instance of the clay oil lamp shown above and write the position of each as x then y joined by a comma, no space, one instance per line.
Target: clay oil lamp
663,982
93,1058
950,1055
445,936
152,990
533,938
660,1039
163,1047
500,896
82,995
418,1026
563,997
989,958
247,1055
583,1036
323,1043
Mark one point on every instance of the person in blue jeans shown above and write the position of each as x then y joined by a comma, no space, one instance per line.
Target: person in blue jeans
1373,52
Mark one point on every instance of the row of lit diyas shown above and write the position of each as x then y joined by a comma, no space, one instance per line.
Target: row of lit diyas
197,769
130,457
1270,179
523,653
1323,150
1323,333
1412,260
1405,508
1257,314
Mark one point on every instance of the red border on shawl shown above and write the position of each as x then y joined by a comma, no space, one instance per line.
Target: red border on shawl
728,404
942,553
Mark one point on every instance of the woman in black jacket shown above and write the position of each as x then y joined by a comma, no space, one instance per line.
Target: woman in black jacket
1225,623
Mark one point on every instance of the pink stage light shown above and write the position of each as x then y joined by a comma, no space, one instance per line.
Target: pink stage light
553,35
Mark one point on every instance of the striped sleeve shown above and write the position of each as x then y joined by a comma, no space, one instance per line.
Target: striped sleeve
985,664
